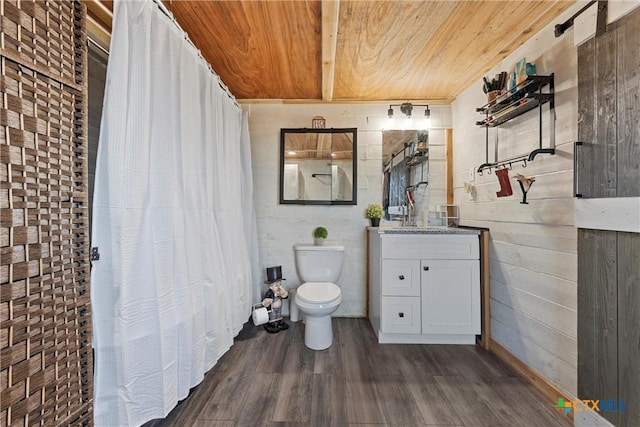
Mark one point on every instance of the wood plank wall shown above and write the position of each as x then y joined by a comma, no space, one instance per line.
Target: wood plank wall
609,261
533,247
282,226
45,312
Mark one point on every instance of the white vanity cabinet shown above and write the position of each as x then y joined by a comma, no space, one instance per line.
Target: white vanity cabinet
424,287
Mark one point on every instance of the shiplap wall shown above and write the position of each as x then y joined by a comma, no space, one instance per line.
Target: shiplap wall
533,246
280,227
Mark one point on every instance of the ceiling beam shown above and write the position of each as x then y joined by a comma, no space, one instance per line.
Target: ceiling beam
99,13
99,23
330,12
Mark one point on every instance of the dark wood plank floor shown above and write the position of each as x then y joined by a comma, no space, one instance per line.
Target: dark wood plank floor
274,380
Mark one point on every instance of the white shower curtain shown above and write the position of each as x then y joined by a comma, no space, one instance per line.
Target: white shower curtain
173,220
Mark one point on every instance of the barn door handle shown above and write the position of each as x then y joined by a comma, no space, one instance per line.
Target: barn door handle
401,277
425,268
401,314
576,190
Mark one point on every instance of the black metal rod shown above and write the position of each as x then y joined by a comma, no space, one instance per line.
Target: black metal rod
313,175
521,158
486,138
540,120
561,28
411,187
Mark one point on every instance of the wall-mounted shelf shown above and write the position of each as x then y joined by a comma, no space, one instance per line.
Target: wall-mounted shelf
417,158
527,96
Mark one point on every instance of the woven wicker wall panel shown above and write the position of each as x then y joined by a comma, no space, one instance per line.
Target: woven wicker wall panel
45,331
37,33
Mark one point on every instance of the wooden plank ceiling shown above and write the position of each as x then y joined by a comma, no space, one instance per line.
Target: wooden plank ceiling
357,50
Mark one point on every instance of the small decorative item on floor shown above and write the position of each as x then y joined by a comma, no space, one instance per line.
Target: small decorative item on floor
374,212
273,300
319,234
525,185
505,185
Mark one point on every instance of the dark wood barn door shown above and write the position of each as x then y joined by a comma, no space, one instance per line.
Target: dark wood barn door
609,260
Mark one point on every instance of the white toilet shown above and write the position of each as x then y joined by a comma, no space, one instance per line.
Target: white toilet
318,297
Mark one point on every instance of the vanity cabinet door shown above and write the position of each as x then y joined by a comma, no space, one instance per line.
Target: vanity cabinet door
401,277
450,296
401,315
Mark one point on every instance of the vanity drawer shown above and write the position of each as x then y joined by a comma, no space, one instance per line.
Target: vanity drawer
430,246
401,277
400,315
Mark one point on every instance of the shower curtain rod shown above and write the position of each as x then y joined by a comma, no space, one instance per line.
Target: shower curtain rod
224,87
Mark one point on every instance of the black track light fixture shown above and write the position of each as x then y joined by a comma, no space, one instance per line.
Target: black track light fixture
407,109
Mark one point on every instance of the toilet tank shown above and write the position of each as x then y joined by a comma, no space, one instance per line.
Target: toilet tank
319,263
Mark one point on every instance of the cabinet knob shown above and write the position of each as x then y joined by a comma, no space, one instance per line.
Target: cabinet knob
425,268
401,314
401,277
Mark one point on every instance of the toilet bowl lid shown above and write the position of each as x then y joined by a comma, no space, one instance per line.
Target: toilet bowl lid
318,292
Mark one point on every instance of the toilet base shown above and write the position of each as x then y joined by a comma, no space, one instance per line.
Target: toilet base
318,333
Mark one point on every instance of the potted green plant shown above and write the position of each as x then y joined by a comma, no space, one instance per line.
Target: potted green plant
319,234
374,212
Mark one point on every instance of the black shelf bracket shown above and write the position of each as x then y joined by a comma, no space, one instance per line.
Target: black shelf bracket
534,153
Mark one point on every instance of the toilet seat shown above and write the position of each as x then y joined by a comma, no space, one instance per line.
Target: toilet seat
318,293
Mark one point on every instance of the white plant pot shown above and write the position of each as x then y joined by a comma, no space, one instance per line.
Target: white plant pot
318,241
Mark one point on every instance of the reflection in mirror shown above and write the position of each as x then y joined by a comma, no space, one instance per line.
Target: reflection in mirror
404,154
413,161
318,166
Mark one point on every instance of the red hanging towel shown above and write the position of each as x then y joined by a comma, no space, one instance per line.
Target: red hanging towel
505,185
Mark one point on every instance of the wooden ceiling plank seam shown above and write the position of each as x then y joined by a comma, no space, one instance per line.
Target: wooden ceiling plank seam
330,11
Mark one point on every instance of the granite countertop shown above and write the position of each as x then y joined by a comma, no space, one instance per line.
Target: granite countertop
424,230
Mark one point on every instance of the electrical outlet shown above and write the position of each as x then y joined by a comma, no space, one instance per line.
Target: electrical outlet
472,174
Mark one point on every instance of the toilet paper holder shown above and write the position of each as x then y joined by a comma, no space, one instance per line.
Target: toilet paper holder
261,315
